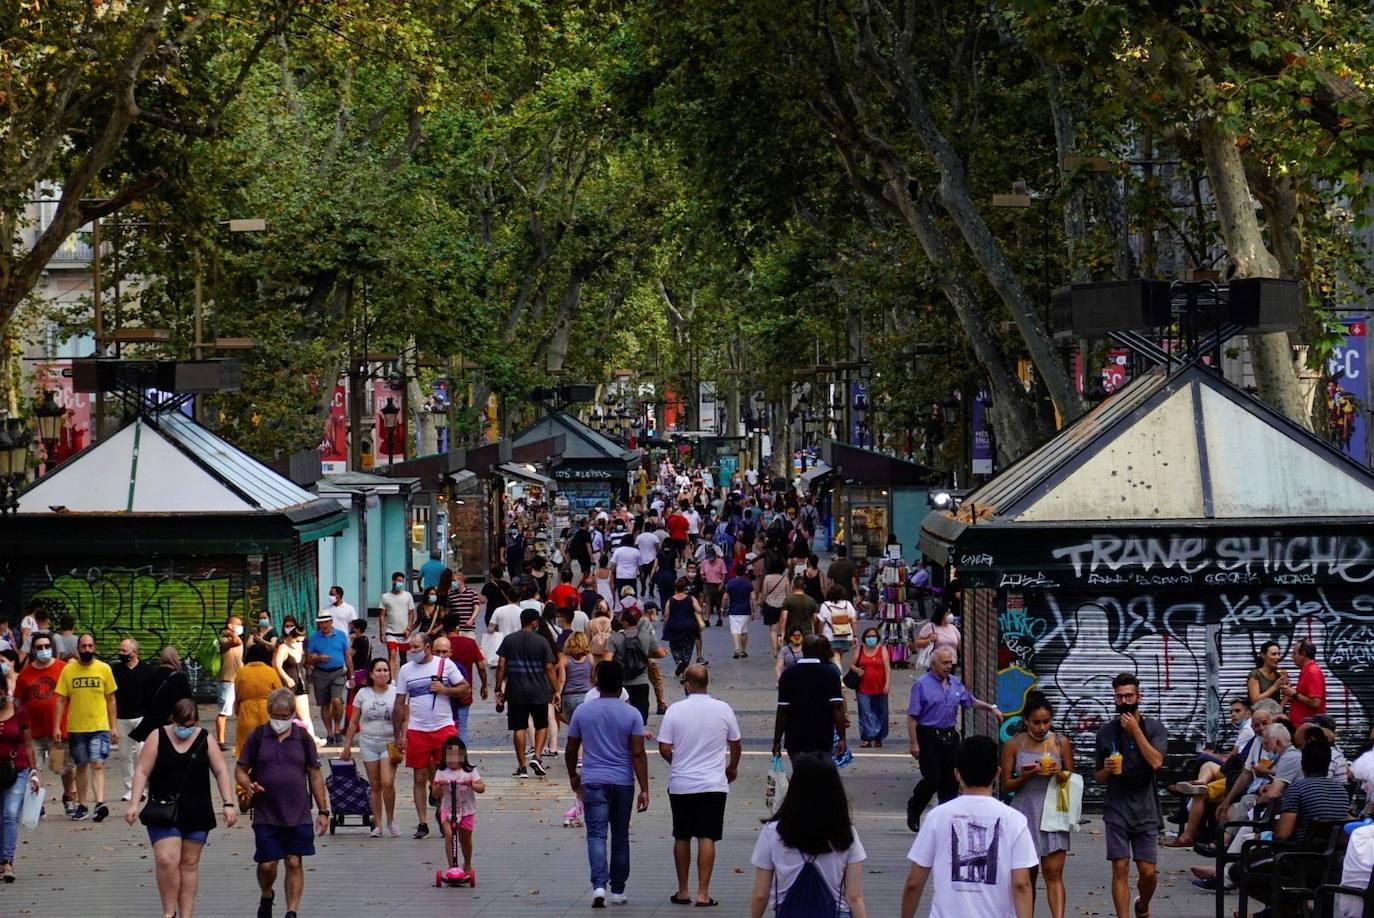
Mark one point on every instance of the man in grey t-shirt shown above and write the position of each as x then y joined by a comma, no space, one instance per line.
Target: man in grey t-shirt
1130,749
635,663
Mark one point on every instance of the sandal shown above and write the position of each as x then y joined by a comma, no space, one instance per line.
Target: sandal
709,903
676,900
1178,842
1136,908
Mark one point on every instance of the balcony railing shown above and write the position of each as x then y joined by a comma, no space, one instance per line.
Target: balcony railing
73,251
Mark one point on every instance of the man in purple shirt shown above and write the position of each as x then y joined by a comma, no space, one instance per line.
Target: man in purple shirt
931,715
280,768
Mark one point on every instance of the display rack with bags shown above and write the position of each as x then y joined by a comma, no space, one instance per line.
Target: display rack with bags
894,625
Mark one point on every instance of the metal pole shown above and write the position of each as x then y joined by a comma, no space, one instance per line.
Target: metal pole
199,315
99,326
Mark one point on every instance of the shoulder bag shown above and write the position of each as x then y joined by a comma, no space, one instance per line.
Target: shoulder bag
161,812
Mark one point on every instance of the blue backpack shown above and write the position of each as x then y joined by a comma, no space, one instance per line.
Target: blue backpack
809,896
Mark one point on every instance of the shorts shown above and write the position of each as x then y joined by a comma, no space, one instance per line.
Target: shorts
1138,845
273,843
518,716
698,815
396,641
44,747
371,749
422,747
739,624
85,748
329,685
466,823
571,701
226,699
158,833
771,615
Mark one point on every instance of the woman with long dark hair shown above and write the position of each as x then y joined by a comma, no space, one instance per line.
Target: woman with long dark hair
939,631
370,727
681,626
1267,680
167,684
1030,761
811,828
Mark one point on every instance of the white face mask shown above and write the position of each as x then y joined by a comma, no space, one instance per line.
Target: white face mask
415,656
279,726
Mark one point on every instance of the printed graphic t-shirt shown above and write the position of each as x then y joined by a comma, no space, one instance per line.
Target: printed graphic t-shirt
971,845
428,712
85,686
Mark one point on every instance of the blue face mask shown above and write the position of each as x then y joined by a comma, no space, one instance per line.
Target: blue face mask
183,732
871,641
396,588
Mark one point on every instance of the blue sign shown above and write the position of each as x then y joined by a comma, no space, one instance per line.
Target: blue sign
1347,391
982,436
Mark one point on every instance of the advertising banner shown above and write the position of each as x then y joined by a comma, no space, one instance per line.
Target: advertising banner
1347,391
707,401
982,436
75,433
387,451
334,446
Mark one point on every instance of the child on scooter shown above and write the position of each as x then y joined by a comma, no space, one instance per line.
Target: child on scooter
458,811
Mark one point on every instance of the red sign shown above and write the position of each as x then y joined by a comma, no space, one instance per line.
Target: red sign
334,446
75,433
393,449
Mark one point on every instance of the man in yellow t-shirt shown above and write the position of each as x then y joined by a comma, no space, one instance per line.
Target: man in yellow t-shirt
86,694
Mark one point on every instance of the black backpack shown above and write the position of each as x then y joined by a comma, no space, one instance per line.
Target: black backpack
633,660
809,896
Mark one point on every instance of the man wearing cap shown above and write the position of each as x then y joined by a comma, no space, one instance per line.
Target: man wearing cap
329,656
526,683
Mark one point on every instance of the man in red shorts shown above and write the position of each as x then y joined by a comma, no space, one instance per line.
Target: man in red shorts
426,687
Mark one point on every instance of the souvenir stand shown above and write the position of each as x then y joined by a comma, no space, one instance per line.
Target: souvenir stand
894,625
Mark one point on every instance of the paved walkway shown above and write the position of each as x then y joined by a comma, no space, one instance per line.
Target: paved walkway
527,863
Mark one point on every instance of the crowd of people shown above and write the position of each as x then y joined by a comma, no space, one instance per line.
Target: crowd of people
573,652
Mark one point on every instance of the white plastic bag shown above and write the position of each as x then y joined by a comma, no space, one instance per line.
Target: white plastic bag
490,644
32,806
775,787
1063,808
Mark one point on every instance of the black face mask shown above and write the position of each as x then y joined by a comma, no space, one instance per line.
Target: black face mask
125,658
86,655
1126,708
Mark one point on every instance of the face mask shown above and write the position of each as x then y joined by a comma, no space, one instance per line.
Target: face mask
125,658
279,726
871,641
795,642
44,655
431,597
183,732
264,623
238,630
396,587
415,656
335,599
1126,708
86,655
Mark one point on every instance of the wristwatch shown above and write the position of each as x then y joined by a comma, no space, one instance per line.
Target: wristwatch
323,813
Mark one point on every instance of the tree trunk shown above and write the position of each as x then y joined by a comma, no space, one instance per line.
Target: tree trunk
1271,356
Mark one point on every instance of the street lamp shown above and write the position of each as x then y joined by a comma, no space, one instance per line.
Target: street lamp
14,463
390,415
49,415
439,412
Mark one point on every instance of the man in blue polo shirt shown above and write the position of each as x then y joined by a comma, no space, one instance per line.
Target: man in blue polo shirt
931,715
330,658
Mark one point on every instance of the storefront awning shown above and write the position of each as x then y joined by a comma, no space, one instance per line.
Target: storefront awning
812,476
526,474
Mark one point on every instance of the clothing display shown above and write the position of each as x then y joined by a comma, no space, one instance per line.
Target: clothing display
896,628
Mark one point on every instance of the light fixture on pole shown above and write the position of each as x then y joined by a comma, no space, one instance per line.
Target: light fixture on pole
439,412
50,416
390,415
14,463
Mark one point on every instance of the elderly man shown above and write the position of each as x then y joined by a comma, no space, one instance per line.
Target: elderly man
329,655
86,697
810,704
931,716
1308,697
700,740
280,768
131,697
1205,792
426,688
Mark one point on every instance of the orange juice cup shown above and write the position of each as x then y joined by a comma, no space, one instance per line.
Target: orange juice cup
1114,763
1046,764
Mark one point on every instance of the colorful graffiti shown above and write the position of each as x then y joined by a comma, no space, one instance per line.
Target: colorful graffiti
1192,653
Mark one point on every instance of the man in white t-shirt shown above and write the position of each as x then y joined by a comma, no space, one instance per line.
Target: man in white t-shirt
342,612
426,689
700,740
978,849
647,543
625,566
398,617
693,524
505,620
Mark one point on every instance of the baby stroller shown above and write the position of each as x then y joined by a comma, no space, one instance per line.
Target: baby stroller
349,794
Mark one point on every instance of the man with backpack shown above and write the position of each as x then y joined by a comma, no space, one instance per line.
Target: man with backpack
633,647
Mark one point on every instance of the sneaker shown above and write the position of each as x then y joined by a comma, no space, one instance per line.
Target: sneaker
421,830
393,831
101,811
619,898
79,813
7,872
290,915
265,907
538,768
1188,789
126,798
68,805
375,833
701,660
599,897
520,772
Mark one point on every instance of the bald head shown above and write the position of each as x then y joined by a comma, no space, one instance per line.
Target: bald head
696,678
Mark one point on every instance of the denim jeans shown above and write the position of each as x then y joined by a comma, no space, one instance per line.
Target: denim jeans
872,717
608,806
461,719
10,802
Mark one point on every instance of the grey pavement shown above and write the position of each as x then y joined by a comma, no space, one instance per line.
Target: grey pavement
526,861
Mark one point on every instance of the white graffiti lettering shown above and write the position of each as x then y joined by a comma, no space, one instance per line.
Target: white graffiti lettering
1283,559
983,560
1018,581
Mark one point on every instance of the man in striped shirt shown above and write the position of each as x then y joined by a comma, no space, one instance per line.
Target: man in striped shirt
464,601
1313,797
